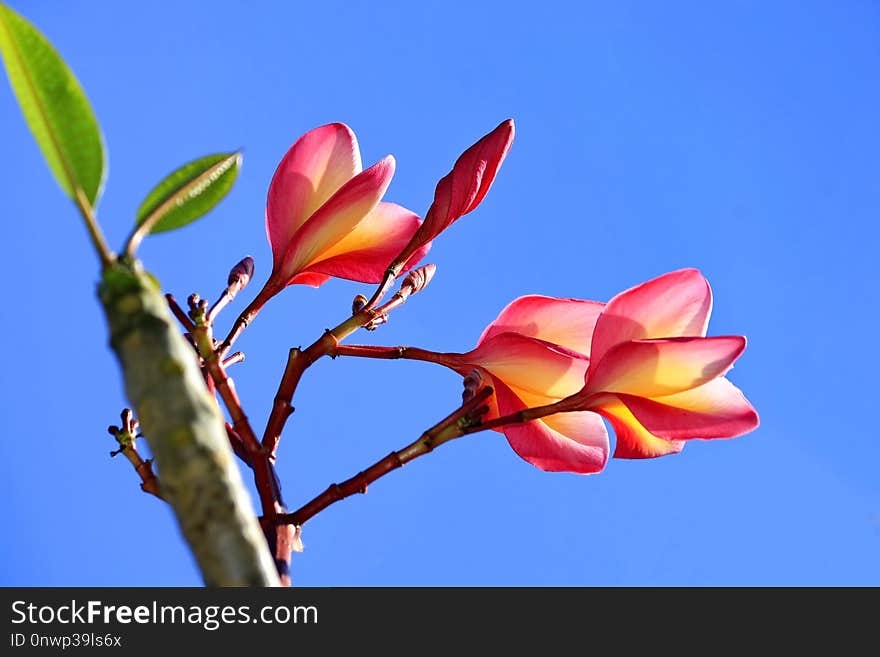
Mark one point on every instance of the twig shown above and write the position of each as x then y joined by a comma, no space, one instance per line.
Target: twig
126,437
451,427
301,359
268,487
181,316
392,353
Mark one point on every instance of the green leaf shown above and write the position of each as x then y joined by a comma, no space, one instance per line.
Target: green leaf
55,107
189,193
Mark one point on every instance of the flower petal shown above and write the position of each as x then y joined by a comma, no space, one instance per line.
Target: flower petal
632,440
716,409
565,442
652,368
314,168
529,364
365,253
674,305
566,322
312,279
338,217
463,188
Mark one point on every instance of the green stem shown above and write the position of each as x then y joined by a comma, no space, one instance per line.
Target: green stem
88,214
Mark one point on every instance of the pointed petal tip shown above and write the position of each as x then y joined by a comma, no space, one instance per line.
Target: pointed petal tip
505,133
382,170
389,161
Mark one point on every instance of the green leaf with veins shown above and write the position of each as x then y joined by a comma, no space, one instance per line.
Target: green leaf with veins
55,107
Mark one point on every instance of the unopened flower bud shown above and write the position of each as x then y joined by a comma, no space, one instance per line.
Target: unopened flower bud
472,382
358,303
419,278
241,274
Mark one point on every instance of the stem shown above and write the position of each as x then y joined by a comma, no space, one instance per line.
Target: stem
144,468
242,322
227,296
328,345
447,429
386,284
567,405
297,363
98,241
238,279
237,357
177,311
238,446
266,479
264,473
392,353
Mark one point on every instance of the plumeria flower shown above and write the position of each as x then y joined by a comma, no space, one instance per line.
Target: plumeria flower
642,361
325,216
462,189
537,352
656,377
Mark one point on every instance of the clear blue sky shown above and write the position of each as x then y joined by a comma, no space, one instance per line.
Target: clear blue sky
740,138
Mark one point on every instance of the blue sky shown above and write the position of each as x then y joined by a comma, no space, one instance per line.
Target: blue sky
740,138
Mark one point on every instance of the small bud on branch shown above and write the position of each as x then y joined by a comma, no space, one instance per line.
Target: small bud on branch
241,274
126,437
239,277
358,303
472,382
418,279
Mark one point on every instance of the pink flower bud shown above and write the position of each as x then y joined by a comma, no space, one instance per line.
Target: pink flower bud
358,303
463,188
241,274
418,279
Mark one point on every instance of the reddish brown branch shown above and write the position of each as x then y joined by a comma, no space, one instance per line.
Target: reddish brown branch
237,357
181,316
387,282
297,363
149,482
338,492
126,437
238,446
449,428
265,478
300,360
392,353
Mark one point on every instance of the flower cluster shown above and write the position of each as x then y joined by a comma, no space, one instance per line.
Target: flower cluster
642,361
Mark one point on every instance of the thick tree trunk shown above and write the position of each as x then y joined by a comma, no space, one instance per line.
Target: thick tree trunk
185,430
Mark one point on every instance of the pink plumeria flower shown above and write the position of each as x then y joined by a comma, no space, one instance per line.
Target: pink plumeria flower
463,189
325,216
642,361
537,352
656,377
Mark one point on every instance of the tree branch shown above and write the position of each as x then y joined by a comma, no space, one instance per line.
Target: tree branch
451,427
